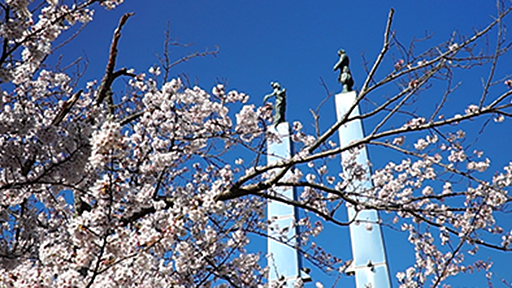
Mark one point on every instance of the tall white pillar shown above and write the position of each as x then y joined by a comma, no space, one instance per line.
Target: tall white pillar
284,259
369,265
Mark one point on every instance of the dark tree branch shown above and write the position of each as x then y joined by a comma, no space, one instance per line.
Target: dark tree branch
110,75
66,108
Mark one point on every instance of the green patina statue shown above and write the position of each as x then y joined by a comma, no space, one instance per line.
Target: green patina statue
280,106
345,77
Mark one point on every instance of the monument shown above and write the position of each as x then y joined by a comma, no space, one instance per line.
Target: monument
369,259
284,259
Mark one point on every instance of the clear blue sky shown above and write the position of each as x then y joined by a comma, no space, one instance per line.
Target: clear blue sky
295,44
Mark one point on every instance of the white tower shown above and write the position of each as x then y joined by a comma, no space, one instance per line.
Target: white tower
284,258
369,265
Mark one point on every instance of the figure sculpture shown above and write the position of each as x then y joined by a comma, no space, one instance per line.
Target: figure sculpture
280,105
345,77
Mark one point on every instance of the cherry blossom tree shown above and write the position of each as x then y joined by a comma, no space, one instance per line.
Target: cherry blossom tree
156,202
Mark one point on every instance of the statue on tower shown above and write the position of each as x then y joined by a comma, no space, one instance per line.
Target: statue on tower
280,105
345,77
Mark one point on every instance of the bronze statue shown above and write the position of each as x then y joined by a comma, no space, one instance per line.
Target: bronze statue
345,77
280,105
